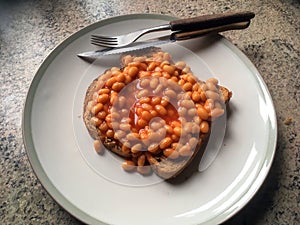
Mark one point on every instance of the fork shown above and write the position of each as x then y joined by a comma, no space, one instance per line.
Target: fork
189,24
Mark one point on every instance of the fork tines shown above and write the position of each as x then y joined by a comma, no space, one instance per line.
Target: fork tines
103,40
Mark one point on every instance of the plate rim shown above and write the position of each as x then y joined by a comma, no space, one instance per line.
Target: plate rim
73,209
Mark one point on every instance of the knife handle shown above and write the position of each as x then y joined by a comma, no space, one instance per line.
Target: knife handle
192,34
209,21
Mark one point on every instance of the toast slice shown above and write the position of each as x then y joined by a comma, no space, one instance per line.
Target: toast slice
137,153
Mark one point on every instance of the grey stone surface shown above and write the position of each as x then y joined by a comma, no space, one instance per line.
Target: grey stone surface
30,29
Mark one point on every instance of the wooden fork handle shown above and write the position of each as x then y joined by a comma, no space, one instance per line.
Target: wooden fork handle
209,21
183,35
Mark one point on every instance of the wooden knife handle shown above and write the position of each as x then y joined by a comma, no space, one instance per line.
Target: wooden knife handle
192,34
208,21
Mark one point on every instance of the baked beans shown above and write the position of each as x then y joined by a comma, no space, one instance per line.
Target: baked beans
169,91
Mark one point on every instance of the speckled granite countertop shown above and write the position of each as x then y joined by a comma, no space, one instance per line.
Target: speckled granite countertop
29,30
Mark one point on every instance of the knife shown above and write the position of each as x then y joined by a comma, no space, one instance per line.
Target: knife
173,37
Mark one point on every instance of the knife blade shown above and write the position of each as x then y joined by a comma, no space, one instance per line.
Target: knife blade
173,37
129,48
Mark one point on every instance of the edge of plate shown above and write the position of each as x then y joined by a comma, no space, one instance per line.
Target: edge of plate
26,114
271,145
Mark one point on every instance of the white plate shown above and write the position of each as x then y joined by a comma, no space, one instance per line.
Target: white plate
94,189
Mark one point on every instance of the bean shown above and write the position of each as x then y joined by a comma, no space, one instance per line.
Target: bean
187,103
125,149
195,128
146,115
97,108
142,93
120,77
193,142
103,127
158,89
170,93
139,111
196,96
153,136
125,126
153,83
161,110
110,81
153,113
118,86
166,75
103,91
187,86
110,133
144,82
203,96
180,64
175,123
136,148
152,66
142,66
153,148
202,113
182,111
164,101
119,134
203,87
208,105
141,160
181,82
150,158
132,136
156,74
185,151
133,71
128,79
98,147
146,106
96,121
166,56
177,131
212,95
127,59
174,137
113,97
166,142
204,127
128,165
213,81
101,115
192,112
142,74
142,123
216,112
169,129
171,112
171,153
155,125
145,100
103,98
211,86
162,131
186,69
169,69
155,100
174,79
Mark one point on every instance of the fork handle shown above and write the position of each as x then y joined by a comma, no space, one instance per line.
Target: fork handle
183,35
209,21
